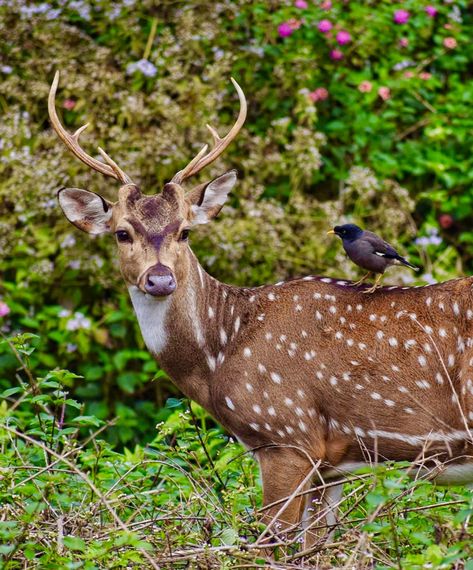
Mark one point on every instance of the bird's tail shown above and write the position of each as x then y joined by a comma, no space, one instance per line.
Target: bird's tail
404,261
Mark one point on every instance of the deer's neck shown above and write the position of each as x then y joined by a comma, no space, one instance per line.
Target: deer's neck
192,331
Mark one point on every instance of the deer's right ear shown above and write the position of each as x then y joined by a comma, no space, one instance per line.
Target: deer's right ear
86,210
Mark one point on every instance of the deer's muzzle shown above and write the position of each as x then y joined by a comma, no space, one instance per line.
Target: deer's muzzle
159,281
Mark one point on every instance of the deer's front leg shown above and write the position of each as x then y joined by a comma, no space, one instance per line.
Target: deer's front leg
286,474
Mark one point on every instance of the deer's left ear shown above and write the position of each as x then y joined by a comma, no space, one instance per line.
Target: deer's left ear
86,210
207,200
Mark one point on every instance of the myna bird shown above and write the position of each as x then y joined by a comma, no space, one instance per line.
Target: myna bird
369,251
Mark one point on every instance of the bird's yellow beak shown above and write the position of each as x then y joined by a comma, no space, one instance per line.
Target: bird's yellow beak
330,232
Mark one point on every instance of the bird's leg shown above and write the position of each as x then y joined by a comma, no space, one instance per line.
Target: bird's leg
360,281
376,283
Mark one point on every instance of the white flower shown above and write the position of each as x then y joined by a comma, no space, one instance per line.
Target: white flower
144,66
68,241
6,69
63,313
79,321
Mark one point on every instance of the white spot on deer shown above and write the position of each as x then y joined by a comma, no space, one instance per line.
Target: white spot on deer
265,395
333,309
326,280
267,426
379,335
230,404
423,384
271,296
342,320
441,306
257,409
409,343
442,333
252,298
386,378
393,341
268,336
359,387
395,368
247,352
304,334
275,377
428,301
373,317
427,347
309,355
261,317
317,296
451,360
339,335
312,413
220,358
299,411
375,396
422,360
428,329
254,426
389,403
211,313
293,346
271,411
289,430
362,346
469,314
355,362
236,325
439,378
298,308
281,433
383,318
456,308
212,363
333,380
409,410
232,310
283,338
249,387
359,307
318,315
346,376
301,393
288,401
319,375
223,337
302,426
403,390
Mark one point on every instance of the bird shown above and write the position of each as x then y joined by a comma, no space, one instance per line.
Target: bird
369,251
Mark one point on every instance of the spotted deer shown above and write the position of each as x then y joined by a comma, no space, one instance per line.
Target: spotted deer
316,378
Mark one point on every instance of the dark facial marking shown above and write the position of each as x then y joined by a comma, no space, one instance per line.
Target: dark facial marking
156,240
133,196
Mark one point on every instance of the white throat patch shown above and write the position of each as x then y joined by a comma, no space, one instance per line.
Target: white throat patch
151,314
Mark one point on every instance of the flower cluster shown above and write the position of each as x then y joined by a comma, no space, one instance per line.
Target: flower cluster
143,66
432,238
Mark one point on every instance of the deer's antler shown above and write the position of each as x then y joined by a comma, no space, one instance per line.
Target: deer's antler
220,144
72,142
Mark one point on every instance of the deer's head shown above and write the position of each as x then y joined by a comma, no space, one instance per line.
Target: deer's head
151,231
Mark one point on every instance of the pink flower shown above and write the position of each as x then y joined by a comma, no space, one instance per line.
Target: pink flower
326,5
324,26
365,87
408,74
425,75
336,54
431,11
4,309
401,16
319,94
450,43
384,93
69,104
300,4
343,38
403,42
285,30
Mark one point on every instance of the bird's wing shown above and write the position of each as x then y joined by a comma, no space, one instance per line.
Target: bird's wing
379,246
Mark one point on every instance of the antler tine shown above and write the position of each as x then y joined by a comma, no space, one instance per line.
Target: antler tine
220,144
72,141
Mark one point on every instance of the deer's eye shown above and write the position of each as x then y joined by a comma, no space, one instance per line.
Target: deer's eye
123,236
184,235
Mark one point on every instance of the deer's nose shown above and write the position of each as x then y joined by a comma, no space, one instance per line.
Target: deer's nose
159,281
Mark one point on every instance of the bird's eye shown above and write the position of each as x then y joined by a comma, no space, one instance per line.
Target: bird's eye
184,235
123,236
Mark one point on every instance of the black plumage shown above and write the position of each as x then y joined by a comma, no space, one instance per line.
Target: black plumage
369,251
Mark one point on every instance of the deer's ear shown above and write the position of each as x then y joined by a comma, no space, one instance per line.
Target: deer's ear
207,200
86,210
